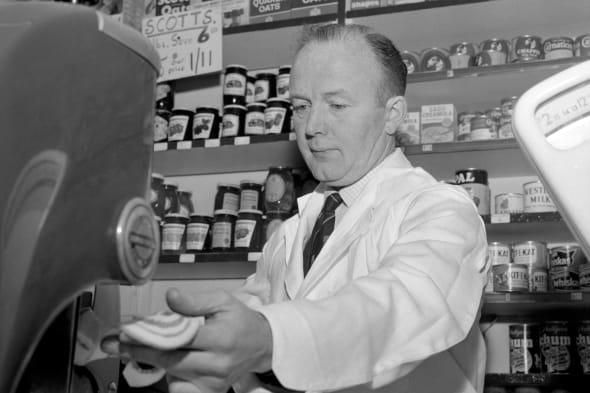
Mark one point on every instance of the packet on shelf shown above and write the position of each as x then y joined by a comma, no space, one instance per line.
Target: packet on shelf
438,123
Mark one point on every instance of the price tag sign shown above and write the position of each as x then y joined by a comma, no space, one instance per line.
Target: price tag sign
427,147
242,140
186,258
160,146
292,136
500,218
184,145
212,143
189,43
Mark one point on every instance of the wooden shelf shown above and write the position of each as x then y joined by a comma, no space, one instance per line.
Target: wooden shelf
207,266
527,307
575,382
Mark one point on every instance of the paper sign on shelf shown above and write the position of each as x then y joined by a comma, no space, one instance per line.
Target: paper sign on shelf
189,43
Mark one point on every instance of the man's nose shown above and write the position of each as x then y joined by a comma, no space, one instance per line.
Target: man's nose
315,122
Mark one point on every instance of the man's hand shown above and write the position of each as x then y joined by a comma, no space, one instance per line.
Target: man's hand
234,340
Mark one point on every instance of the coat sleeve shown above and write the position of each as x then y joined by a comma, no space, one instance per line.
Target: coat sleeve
422,299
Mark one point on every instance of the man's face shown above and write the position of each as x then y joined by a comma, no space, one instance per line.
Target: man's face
338,117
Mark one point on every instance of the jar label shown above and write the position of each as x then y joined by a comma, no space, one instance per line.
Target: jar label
283,86
160,128
273,119
255,123
221,236
177,128
536,199
249,199
274,188
250,92
202,125
231,125
261,90
230,201
172,236
244,231
234,84
196,233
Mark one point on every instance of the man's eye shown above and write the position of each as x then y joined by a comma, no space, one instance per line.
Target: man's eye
338,107
300,109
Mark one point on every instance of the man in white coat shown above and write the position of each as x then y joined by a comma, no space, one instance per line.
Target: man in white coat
391,301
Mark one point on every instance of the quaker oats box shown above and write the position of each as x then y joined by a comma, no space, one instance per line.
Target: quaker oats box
163,7
364,4
235,12
439,123
408,133
302,8
269,10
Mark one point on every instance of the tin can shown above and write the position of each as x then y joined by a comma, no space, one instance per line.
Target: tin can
558,48
475,182
525,352
462,55
434,59
482,128
530,253
585,277
557,347
498,253
537,199
464,125
507,104
526,47
566,255
511,278
411,60
538,279
505,129
564,278
582,45
582,338
497,49
511,202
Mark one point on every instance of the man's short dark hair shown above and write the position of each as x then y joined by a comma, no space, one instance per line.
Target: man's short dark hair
393,69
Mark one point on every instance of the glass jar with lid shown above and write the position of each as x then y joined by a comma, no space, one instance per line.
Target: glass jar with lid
171,203
279,190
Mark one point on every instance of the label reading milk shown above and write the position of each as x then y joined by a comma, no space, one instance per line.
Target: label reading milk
221,236
244,231
231,125
202,125
273,119
196,233
235,84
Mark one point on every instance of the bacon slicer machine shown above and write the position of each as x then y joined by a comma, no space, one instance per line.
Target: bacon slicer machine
77,93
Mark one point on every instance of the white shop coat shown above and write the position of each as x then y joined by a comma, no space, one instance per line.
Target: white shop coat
392,300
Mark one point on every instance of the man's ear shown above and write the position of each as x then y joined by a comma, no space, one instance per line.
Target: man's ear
396,108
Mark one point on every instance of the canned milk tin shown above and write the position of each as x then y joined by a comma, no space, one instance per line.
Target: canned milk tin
558,48
582,45
464,125
475,182
582,332
585,277
511,278
525,353
536,198
538,279
462,54
566,255
482,128
557,347
530,253
507,203
526,48
498,253
497,50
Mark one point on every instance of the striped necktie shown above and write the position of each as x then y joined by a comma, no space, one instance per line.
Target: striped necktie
322,229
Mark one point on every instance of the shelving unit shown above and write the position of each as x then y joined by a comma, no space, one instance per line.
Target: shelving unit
538,380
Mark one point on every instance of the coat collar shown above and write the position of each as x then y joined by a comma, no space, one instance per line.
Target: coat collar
355,222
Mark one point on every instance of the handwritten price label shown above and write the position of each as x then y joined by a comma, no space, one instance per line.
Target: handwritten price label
189,43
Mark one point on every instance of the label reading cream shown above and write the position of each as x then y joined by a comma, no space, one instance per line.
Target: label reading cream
244,231
273,119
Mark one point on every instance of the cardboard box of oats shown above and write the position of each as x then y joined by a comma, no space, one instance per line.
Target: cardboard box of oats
302,8
408,133
235,12
439,123
269,10
163,7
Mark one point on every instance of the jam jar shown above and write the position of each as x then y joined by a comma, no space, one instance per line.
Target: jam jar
198,233
173,233
248,230
161,120
234,85
164,96
171,203
157,194
250,87
180,125
234,117
277,116
222,233
273,221
250,195
265,86
227,197
255,119
283,80
279,190
185,202
206,123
